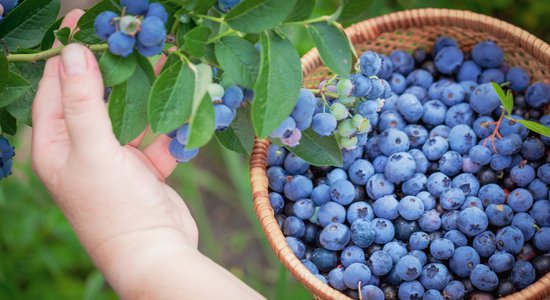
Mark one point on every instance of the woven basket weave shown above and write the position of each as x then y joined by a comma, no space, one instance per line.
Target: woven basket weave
405,30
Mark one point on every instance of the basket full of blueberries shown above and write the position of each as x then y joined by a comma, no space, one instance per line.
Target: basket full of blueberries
444,195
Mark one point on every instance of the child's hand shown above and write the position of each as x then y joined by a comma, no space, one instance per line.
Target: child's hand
135,227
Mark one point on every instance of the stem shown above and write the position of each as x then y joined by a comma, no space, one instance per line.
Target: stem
330,19
219,36
211,18
49,53
495,133
321,93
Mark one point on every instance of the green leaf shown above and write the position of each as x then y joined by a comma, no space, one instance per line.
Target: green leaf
116,69
8,124
318,150
239,58
199,6
301,11
94,284
278,85
536,127
333,47
507,100
63,35
195,40
25,26
354,10
203,78
255,16
171,98
21,109
202,125
182,30
86,31
238,137
49,37
128,103
3,71
16,86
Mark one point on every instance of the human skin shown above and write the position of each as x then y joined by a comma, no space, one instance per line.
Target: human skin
137,230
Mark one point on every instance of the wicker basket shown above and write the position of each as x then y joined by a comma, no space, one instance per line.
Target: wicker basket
405,30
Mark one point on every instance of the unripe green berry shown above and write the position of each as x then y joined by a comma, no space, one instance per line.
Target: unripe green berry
362,124
344,87
347,101
346,128
130,25
348,143
339,111
215,91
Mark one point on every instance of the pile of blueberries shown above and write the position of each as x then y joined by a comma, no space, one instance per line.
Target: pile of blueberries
142,26
431,206
6,6
226,101
7,152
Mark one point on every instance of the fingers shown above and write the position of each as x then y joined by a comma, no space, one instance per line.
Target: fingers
70,21
82,92
160,157
137,141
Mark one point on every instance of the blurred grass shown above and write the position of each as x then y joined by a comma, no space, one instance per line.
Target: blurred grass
41,258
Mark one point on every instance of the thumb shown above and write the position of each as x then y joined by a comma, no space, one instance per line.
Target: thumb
82,91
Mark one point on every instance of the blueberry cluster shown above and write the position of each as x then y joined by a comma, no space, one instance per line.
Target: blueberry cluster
347,107
442,201
142,25
226,101
6,155
6,6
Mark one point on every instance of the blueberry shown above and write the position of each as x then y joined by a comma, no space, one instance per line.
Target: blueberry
293,139
152,32
472,221
285,129
434,276
400,167
404,228
452,94
420,77
448,60
310,236
378,186
541,212
303,208
543,173
410,208
520,200
359,210
538,94
462,138
501,261
362,233
294,227
398,83
415,184
434,112
334,236
310,266
420,160
487,54
372,292
383,229
180,152
454,290
324,259
370,63
485,244
542,239
484,99
378,88
430,221
450,163
233,97
483,278
331,212
356,275
509,126
386,69
472,201
435,91
276,178
509,239
432,295
532,148
304,106
519,79
492,75
352,254
438,183
523,274
386,207
480,155
523,175
275,155
408,267
277,202
442,248
525,223
380,263
509,144
469,71
491,194
452,199
411,290
369,109
542,264
104,24
449,220
459,114
469,87
349,156
483,127
393,140
417,134
224,116
298,187
457,237
419,92
294,165
135,7
419,240
336,278
157,10
499,214
228,4
379,163
500,162
390,119
342,192
396,250
463,261
297,247
440,130
402,61
121,44
360,171
442,42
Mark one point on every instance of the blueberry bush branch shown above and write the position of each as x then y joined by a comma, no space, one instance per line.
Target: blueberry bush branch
42,55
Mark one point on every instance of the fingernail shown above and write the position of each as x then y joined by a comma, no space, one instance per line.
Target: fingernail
74,59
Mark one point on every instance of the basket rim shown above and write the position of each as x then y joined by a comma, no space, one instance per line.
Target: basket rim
368,30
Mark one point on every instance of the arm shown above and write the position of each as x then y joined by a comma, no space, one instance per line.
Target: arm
137,230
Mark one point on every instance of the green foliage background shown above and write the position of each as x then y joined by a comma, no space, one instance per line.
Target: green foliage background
40,257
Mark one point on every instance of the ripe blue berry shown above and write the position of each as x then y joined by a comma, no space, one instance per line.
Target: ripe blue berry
370,63
157,10
294,227
297,247
331,212
472,221
402,61
393,140
362,233
383,229
408,268
411,208
501,261
448,60
483,278
464,260
121,44
487,54
285,129
484,99
510,239
180,152
538,94
334,236
523,274
356,275
469,71
484,244
298,187
105,24
135,7
434,276
224,116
